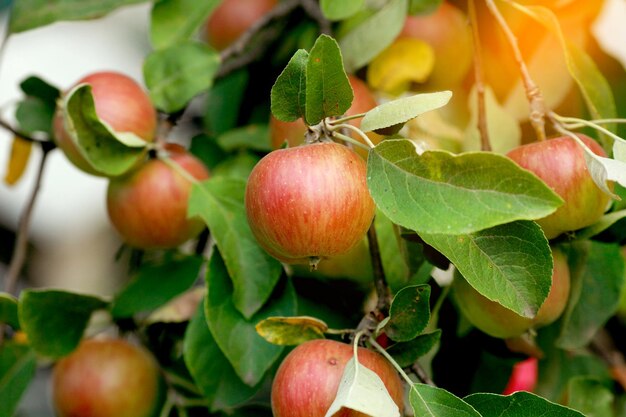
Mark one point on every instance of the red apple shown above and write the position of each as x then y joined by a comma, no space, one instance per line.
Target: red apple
104,378
309,202
148,206
120,102
560,163
307,380
523,377
232,18
497,320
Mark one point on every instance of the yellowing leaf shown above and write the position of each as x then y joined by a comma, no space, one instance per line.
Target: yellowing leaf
20,153
405,61
291,330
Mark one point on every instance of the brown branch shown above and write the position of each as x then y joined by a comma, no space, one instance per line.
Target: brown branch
479,82
6,126
535,98
421,373
603,345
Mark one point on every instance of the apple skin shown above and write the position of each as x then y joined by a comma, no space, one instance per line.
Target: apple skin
560,163
120,102
497,320
232,18
307,380
148,206
310,201
104,378
523,377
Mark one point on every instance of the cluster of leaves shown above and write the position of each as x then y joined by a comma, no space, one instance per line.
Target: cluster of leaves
474,210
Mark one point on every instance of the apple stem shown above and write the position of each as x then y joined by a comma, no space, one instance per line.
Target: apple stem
575,123
533,93
346,119
351,140
355,129
479,82
180,170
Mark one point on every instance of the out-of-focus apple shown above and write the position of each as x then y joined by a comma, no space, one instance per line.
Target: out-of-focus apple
232,18
523,377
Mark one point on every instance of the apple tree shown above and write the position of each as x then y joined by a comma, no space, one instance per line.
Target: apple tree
382,207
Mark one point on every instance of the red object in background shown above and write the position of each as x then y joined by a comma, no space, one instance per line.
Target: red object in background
523,377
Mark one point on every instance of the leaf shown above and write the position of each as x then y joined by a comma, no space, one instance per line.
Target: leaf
40,89
223,102
154,285
8,311
405,61
328,91
409,313
34,115
175,21
361,389
287,331
601,225
392,252
219,202
180,309
255,137
361,44
17,368
519,404
339,10
590,396
18,160
423,6
288,95
436,402
250,355
438,192
239,165
597,281
30,14
108,152
209,368
55,320
510,264
403,109
177,74
407,353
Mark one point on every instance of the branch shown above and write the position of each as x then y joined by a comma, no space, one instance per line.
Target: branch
485,143
604,346
6,126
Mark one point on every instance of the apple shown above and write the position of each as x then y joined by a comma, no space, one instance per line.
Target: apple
120,102
307,380
232,18
293,132
523,377
497,320
309,202
148,206
560,163
104,378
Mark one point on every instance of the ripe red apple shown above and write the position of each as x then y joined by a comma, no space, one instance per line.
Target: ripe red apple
120,102
498,321
148,206
307,380
232,18
523,377
309,202
560,163
104,378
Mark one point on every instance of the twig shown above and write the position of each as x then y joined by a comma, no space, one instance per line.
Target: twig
5,125
422,375
604,346
485,143
535,98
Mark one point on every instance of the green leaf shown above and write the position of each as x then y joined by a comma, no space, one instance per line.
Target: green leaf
55,320
392,252
288,95
177,74
8,311
17,368
155,285
362,390
286,331
175,21
30,14
590,396
255,137
361,44
407,353
110,153
510,264
223,102
436,402
597,281
38,88
402,110
519,404
219,202
250,355
601,225
409,313
239,166
438,192
423,6
209,368
328,91
34,115
339,10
